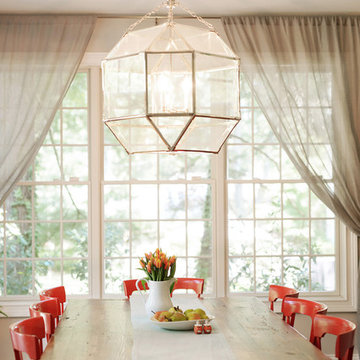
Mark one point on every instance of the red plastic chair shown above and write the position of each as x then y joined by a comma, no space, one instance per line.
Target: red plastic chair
26,336
293,306
49,311
343,329
279,292
130,287
190,284
56,292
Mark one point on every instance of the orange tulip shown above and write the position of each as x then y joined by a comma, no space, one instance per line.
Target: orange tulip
142,263
172,260
148,267
158,263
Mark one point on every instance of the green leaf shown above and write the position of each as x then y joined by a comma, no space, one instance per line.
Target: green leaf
143,283
172,286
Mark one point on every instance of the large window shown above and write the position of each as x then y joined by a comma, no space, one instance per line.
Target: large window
156,200
44,221
278,230
273,229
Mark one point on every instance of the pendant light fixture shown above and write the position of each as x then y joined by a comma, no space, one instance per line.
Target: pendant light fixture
171,87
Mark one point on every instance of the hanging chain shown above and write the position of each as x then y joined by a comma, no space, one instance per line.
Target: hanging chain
146,16
170,4
199,18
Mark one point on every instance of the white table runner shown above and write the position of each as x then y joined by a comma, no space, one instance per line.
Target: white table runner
153,342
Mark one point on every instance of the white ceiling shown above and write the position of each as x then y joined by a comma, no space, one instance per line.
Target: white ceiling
201,7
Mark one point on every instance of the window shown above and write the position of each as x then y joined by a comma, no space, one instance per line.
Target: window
278,230
44,221
272,227
156,200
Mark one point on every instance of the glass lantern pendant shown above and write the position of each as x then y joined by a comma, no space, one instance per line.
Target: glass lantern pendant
171,88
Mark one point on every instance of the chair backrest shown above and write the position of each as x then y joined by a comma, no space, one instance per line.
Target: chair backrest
56,292
130,287
292,306
195,284
279,292
26,336
49,311
343,329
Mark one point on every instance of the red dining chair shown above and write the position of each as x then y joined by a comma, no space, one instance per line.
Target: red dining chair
130,287
27,336
56,292
49,311
195,284
279,292
343,329
293,306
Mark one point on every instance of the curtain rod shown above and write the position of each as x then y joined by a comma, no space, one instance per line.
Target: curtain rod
104,16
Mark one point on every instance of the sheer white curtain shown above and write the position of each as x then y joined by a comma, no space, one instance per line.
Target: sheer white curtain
306,78
39,56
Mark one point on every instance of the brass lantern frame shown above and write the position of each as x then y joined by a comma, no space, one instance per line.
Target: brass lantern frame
174,147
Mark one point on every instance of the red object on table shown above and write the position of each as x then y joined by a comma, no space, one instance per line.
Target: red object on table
26,336
198,328
280,292
130,287
56,292
343,329
207,328
195,284
49,311
292,306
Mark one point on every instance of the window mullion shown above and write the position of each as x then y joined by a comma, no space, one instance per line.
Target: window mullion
95,156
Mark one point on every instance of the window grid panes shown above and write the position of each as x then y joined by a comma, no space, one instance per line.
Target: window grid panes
156,200
279,232
44,221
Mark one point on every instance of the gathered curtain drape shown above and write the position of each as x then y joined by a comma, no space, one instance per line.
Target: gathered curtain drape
305,74
39,56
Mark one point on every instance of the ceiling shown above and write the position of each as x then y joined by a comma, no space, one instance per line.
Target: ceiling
201,7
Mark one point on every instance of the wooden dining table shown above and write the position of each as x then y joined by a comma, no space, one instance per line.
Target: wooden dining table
103,329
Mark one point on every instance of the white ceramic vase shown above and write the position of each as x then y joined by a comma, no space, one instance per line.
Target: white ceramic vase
159,296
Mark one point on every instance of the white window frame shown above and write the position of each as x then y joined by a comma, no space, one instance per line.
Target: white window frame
344,301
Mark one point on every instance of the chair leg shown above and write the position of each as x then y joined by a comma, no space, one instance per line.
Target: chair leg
18,355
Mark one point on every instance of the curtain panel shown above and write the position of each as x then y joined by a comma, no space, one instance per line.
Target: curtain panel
305,74
306,79
39,56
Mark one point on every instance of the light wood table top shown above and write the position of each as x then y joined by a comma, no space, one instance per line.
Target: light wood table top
102,329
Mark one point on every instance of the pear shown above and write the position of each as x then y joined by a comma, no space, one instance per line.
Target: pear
177,317
174,310
164,316
186,312
202,313
156,315
193,316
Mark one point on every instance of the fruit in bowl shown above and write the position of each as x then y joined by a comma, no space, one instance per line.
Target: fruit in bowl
176,314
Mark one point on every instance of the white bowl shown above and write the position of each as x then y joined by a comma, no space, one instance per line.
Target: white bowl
179,325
